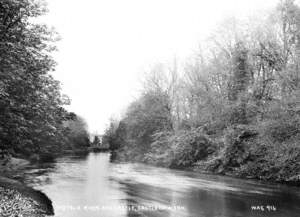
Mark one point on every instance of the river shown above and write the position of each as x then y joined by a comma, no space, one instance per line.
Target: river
92,186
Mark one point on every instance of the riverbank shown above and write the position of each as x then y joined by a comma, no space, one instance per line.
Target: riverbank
16,199
241,152
94,186
201,168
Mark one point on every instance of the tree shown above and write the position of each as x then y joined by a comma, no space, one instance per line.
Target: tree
76,132
147,115
96,142
115,135
31,112
240,78
150,114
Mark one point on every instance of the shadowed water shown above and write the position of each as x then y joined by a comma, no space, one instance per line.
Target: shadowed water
93,186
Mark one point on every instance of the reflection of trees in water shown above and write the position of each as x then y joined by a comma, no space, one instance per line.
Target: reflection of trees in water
211,203
145,195
199,202
38,175
151,197
239,203
95,181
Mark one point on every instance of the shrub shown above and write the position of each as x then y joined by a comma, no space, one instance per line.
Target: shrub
180,149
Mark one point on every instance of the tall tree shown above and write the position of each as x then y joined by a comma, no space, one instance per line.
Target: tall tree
31,111
290,31
76,132
240,76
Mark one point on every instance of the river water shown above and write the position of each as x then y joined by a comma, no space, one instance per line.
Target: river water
92,186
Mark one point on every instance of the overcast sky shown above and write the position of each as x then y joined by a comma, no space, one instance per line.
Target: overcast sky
106,44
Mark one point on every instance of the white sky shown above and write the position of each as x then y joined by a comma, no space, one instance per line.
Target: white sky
106,44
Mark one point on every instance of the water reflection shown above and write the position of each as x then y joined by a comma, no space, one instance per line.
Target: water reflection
93,186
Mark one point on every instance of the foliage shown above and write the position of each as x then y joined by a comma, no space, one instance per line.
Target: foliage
96,141
232,109
31,104
182,149
76,133
115,135
146,116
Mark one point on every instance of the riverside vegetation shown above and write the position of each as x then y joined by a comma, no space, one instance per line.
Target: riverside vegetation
33,122
233,108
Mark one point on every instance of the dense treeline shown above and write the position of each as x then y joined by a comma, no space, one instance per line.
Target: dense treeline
232,109
32,117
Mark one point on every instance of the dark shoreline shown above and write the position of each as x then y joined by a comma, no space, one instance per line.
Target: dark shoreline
41,199
114,158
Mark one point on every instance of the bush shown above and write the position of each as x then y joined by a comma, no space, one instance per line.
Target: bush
280,130
279,163
180,149
235,151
